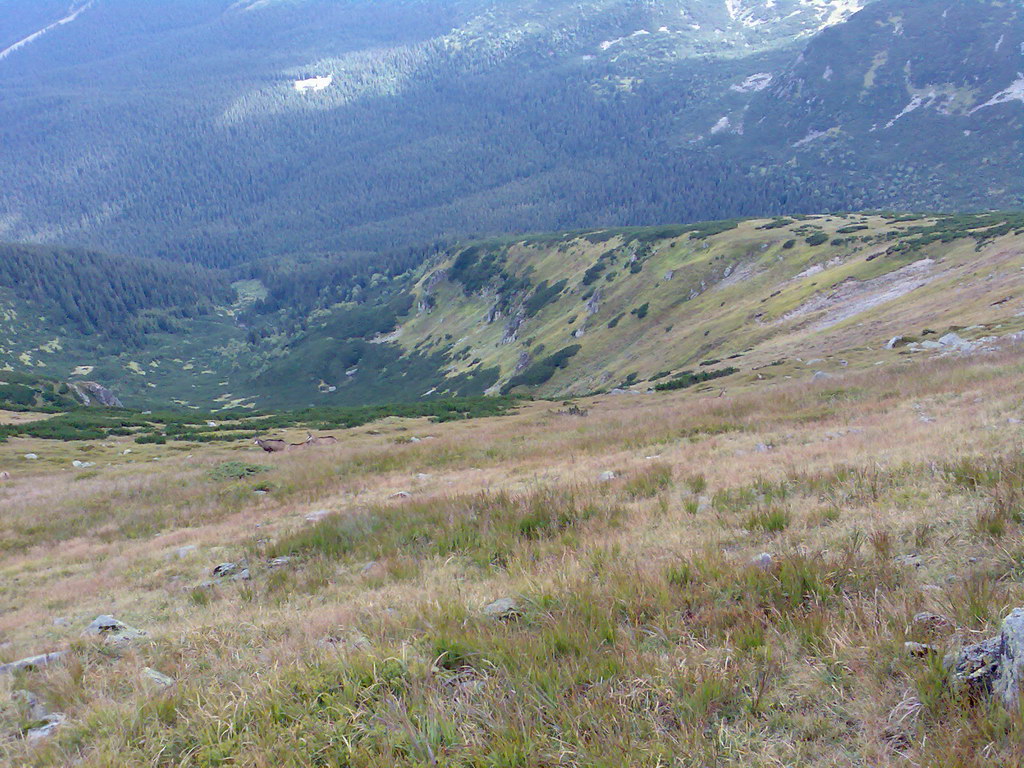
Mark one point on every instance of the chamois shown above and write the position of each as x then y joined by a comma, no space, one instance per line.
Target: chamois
272,446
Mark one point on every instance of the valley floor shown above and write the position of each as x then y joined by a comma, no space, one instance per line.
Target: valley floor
683,579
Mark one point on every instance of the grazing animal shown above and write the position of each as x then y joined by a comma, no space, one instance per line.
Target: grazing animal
316,440
272,446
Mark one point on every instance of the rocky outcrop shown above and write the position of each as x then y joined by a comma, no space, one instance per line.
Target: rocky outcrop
512,327
91,393
994,666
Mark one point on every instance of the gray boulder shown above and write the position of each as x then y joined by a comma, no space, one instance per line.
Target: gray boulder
109,628
994,666
156,678
502,609
50,724
32,662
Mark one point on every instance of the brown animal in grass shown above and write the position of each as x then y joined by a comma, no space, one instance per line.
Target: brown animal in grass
272,446
317,440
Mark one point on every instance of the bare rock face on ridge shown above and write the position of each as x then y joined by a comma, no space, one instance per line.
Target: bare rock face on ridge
88,391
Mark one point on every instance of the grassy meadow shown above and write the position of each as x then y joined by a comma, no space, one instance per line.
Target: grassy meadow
642,626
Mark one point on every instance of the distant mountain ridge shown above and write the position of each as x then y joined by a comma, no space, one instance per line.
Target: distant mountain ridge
177,130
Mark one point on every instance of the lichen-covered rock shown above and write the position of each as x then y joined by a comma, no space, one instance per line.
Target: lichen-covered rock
225,569
49,726
113,630
32,662
994,666
503,608
1011,661
156,678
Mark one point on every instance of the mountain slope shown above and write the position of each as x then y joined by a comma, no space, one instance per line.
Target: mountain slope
618,308
901,96
244,130
561,314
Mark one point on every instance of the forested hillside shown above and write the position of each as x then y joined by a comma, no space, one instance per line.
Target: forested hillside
118,298
221,133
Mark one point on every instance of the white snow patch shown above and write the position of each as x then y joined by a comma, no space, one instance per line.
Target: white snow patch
1014,93
754,83
314,84
915,104
812,135
74,14
722,125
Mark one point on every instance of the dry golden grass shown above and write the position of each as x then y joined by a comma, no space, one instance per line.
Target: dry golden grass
645,635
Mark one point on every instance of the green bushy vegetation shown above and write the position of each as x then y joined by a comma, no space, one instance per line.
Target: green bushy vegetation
981,227
689,379
542,371
21,391
159,427
237,470
488,528
543,295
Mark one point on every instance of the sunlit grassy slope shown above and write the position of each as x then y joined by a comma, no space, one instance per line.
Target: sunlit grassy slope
833,290
644,633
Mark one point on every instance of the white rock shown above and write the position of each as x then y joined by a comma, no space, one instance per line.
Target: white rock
315,517
31,456
764,561
606,477
157,678
52,723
